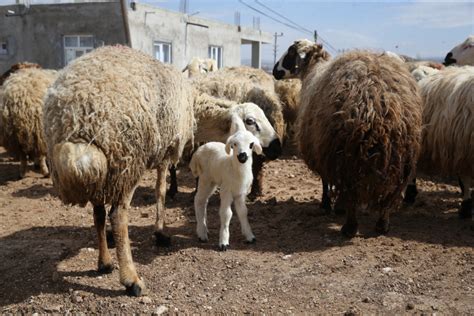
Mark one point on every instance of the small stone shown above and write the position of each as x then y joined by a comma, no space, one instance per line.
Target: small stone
387,270
286,257
77,299
366,300
146,300
160,310
410,306
54,308
90,249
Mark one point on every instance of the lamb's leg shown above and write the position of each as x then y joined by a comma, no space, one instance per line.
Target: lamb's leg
349,229
173,189
383,224
128,274
465,211
242,211
160,191
225,214
325,200
23,165
411,192
105,260
204,191
257,183
43,166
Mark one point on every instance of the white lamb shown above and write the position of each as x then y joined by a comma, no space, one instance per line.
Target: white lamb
228,167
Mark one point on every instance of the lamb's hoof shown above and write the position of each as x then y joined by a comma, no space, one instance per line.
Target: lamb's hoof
410,194
465,211
136,289
382,226
105,268
171,194
349,229
223,247
162,240
251,241
109,236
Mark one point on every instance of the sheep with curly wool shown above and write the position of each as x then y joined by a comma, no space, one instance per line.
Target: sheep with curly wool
288,91
448,133
228,167
21,115
359,125
110,115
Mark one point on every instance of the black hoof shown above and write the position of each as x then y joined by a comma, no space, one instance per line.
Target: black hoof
223,247
465,211
162,240
133,290
109,235
349,229
171,193
105,268
202,240
326,205
382,226
252,241
410,194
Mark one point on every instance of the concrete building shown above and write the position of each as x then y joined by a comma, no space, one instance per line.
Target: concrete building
54,34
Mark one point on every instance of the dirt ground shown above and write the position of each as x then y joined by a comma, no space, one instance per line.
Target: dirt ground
299,264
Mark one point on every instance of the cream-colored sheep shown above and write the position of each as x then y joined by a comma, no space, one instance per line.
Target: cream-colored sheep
112,114
448,134
22,115
198,66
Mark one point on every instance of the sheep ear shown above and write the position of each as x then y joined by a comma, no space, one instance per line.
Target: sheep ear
227,147
236,124
257,148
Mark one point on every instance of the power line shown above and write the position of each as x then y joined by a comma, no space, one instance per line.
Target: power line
295,25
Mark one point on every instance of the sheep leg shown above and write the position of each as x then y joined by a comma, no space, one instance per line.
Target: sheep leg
160,191
325,200
128,274
383,224
23,165
204,191
411,192
257,183
339,206
242,212
173,189
349,229
465,211
105,260
461,185
127,201
43,166
225,214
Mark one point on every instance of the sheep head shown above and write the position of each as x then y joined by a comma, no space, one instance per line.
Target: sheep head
243,143
298,58
462,54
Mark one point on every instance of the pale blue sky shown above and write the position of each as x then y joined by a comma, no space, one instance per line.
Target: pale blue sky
415,28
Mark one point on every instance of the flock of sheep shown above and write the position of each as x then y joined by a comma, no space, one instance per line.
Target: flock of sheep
361,121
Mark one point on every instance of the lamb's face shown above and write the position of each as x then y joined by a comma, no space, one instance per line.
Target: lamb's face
290,63
242,143
257,123
461,55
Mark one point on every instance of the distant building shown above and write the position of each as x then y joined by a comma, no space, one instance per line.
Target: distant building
54,34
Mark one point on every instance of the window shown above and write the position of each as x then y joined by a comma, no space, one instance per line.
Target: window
215,52
162,51
3,48
76,46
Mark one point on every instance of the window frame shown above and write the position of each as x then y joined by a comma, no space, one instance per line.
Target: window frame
78,48
220,54
162,44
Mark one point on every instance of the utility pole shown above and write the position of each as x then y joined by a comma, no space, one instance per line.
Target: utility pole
315,36
276,35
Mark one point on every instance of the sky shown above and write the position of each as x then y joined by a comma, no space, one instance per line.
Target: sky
423,29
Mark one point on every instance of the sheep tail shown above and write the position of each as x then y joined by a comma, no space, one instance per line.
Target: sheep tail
195,166
80,169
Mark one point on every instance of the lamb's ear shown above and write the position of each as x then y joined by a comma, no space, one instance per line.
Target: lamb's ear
257,148
227,147
236,124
